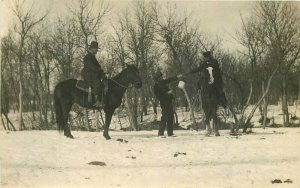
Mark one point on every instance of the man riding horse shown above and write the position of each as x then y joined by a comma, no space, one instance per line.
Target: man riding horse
211,86
93,73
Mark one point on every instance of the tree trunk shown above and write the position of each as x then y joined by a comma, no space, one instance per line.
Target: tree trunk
1,84
265,103
21,103
284,102
132,110
247,122
9,122
154,105
20,57
2,121
298,99
144,107
241,121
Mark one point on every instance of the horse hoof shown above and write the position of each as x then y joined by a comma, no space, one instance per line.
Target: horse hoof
70,136
217,134
208,133
106,136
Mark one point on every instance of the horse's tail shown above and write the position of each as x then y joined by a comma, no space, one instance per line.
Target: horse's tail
58,109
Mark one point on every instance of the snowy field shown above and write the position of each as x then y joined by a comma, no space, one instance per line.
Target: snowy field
37,159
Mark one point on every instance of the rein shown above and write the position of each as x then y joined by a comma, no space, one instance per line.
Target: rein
121,85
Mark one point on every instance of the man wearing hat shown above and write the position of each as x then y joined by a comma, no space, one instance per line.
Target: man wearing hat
93,73
211,77
212,93
165,96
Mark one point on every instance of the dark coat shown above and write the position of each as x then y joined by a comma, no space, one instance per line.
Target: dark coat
217,86
92,69
161,90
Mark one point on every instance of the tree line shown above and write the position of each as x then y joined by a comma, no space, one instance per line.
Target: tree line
39,51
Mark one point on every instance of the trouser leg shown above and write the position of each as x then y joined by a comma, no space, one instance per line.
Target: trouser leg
94,81
164,118
170,121
97,87
162,125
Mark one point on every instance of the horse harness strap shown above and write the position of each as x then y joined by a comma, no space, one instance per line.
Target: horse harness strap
121,85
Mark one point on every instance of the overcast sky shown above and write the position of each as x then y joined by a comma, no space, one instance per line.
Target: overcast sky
216,17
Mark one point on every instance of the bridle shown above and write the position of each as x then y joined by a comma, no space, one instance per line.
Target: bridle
121,85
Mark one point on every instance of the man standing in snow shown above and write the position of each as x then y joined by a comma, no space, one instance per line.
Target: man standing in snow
165,96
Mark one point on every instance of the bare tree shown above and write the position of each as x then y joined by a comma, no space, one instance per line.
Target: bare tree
182,41
89,16
272,37
7,93
65,48
41,67
133,43
27,19
280,21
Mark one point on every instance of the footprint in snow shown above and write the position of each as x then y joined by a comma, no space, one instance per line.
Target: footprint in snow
279,181
179,153
122,140
97,163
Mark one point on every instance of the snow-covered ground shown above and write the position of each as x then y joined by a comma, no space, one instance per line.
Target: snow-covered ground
37,159
120,120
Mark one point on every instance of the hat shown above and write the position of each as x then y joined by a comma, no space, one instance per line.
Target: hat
94,44
206,54
157,75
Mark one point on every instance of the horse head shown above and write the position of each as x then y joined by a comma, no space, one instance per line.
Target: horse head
133,75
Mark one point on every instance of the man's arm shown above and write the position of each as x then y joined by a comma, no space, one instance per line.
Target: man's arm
169,80
198,69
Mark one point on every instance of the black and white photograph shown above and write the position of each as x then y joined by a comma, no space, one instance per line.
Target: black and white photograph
149,94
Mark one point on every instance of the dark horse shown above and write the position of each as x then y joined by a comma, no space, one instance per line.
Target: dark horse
210,106
66,94
211,97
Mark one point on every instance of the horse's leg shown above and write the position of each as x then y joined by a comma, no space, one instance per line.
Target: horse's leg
66,107
216,126
208,128
108,116
207,121
216,121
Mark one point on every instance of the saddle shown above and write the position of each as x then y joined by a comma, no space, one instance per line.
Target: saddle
87,87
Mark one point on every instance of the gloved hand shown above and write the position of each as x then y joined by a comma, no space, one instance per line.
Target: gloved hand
180,76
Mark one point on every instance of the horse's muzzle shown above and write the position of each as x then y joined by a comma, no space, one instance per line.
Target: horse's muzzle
138,85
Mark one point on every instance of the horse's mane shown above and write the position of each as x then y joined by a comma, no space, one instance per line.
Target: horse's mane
117,76
122,71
